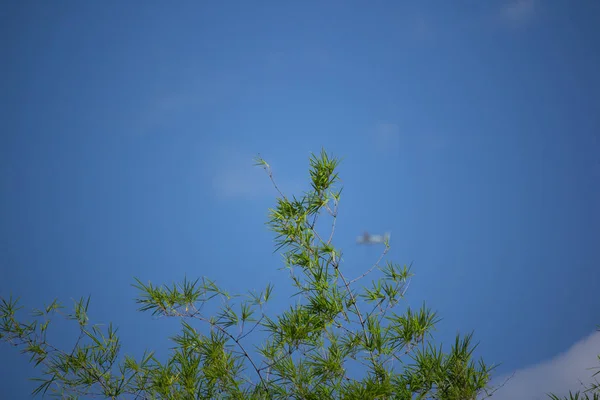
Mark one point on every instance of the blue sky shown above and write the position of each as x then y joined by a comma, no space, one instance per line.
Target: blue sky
470,130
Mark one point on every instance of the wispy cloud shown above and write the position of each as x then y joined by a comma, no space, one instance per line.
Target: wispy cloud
421,29
386,137
286,61
183,99
389,138
517,11
233,175
558,375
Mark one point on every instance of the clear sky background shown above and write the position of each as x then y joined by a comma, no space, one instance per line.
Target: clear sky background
470,130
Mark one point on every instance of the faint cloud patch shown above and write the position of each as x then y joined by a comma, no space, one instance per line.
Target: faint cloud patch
518,11
184,100
559,375
237,182
233,175
434,142
389,138
421,29
315,59
386,136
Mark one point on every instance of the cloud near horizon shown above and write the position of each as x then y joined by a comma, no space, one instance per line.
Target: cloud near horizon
559,375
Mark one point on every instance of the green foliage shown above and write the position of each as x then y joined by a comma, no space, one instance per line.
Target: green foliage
308,351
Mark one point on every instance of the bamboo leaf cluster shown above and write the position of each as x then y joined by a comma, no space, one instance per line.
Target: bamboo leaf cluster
341,338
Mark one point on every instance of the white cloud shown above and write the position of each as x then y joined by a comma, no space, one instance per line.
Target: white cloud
518,10
558,375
